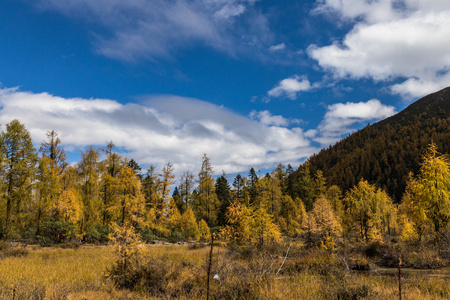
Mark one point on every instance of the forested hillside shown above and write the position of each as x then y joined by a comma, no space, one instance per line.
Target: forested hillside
384,153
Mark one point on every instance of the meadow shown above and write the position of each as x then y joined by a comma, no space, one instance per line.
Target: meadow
179,271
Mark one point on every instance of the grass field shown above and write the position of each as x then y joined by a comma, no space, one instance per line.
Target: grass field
180,272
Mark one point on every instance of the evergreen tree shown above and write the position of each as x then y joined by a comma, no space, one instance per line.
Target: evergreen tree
133,165
306,187
177,199
149,187
186,187
252,180
237,184
223,193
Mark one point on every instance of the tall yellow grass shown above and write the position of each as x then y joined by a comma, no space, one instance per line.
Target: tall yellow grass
55,273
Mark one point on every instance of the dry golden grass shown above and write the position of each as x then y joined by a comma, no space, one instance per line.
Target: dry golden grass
55,273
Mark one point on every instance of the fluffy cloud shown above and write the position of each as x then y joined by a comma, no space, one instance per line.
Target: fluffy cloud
265,117
391,40
290,87
161,129
151,29
340,118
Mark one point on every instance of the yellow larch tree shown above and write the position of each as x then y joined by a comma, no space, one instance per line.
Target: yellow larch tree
325,223
131,201
427,199
189,225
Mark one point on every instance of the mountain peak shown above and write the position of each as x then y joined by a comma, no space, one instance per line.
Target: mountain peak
435,105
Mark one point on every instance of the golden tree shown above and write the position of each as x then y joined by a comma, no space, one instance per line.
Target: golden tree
131,200
205,203
291,216
204,231
89,171
325,223
189,225
263,228
427,198
365,207
17,169
68,207
238,220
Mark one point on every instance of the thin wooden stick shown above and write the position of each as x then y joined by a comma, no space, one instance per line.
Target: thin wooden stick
209,265
287,252
400,276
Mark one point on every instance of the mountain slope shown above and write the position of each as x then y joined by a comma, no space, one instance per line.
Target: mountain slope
385,152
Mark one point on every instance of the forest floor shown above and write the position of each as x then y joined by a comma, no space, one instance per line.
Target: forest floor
180,271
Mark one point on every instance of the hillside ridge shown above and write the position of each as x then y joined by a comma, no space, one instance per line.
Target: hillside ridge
385,152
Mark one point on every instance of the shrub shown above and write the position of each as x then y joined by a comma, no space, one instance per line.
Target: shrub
176,236
97,233
54,231
147,234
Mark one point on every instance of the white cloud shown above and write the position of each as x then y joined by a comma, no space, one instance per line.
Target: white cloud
340,118
278,47
161,129
290,87
151,29
414,88
266,118
406,40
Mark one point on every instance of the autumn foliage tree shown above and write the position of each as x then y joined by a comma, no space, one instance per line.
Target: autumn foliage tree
427,198
365,210
18,160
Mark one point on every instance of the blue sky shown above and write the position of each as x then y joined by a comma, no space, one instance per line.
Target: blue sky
250,83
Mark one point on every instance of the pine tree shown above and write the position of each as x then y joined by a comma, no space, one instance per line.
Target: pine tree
186,187
149,187
177,199
252,180
306,187
237,184
223,192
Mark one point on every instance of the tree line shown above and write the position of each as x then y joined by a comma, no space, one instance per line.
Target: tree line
45,199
